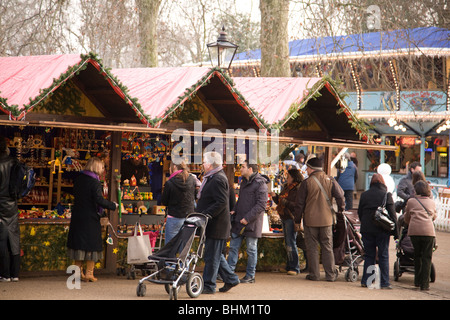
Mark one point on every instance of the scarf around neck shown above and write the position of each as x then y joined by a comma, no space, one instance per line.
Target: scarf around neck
91,174
206,177
174,174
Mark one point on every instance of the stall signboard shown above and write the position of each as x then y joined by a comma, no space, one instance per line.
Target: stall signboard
407,141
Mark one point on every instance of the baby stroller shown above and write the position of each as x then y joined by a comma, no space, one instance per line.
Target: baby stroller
405,253
347,246
176,263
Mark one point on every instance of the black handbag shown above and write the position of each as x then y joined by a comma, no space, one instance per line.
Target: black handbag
382,219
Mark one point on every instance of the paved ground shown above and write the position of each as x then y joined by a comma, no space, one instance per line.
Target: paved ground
268,286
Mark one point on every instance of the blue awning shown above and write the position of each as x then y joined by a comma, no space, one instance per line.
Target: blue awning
405,40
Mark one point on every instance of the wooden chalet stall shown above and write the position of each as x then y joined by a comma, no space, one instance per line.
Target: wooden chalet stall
307,112
195,99
62,109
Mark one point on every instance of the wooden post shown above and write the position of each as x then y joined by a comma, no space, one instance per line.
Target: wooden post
328,157
115,162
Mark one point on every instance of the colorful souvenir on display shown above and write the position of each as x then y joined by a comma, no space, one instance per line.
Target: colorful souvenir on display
133,182
142,210
68,213
72,164
56,162
138,196
129,208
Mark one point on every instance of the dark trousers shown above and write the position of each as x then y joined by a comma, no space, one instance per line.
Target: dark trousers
372,242
423,251
348,194
215,263
9,263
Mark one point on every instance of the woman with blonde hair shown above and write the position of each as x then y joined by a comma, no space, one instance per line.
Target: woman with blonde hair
84,241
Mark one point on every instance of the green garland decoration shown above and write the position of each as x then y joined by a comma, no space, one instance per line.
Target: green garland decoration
313,93
190,93
64,77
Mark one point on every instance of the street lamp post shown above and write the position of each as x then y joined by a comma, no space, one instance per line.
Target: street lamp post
222,51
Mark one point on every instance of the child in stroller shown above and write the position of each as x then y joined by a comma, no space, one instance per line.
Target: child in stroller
405,253
175,262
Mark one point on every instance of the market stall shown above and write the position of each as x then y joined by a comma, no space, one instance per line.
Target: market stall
59,111
78,109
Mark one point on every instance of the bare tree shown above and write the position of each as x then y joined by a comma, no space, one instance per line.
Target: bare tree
274,38
148,16
109,28
32,27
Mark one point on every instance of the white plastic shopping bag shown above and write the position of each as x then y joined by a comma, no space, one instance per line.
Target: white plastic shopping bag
139,247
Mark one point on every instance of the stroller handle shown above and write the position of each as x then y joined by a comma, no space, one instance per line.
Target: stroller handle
193,214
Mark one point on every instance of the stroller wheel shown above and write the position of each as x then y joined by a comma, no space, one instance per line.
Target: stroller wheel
194,285
168,287
141,290
173,292
397,273
351,275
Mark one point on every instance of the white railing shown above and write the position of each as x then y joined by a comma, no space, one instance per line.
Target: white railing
442,221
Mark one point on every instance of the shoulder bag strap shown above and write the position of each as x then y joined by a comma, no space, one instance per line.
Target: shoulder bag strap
333,213
423,206
323,191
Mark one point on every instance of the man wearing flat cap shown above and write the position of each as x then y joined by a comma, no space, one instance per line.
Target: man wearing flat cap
318,218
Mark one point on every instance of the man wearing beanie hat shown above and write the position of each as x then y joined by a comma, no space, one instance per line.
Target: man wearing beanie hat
318,218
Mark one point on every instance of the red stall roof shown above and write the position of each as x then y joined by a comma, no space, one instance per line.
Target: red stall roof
272,97
160,91
26,81
278,100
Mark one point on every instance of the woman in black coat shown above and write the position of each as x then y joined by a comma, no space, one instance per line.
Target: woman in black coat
85,242
373,236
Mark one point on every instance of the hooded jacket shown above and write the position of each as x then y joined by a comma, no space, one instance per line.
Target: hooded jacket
179,196
251,205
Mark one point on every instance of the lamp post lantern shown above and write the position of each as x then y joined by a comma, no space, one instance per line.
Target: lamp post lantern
222,51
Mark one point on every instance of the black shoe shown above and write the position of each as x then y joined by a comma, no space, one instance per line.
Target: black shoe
247,279
207,291
310,277
228,286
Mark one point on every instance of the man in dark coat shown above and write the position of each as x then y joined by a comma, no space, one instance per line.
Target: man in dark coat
247,218
405,188
9,223
214,201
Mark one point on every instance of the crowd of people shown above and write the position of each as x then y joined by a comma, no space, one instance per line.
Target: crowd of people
304,205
